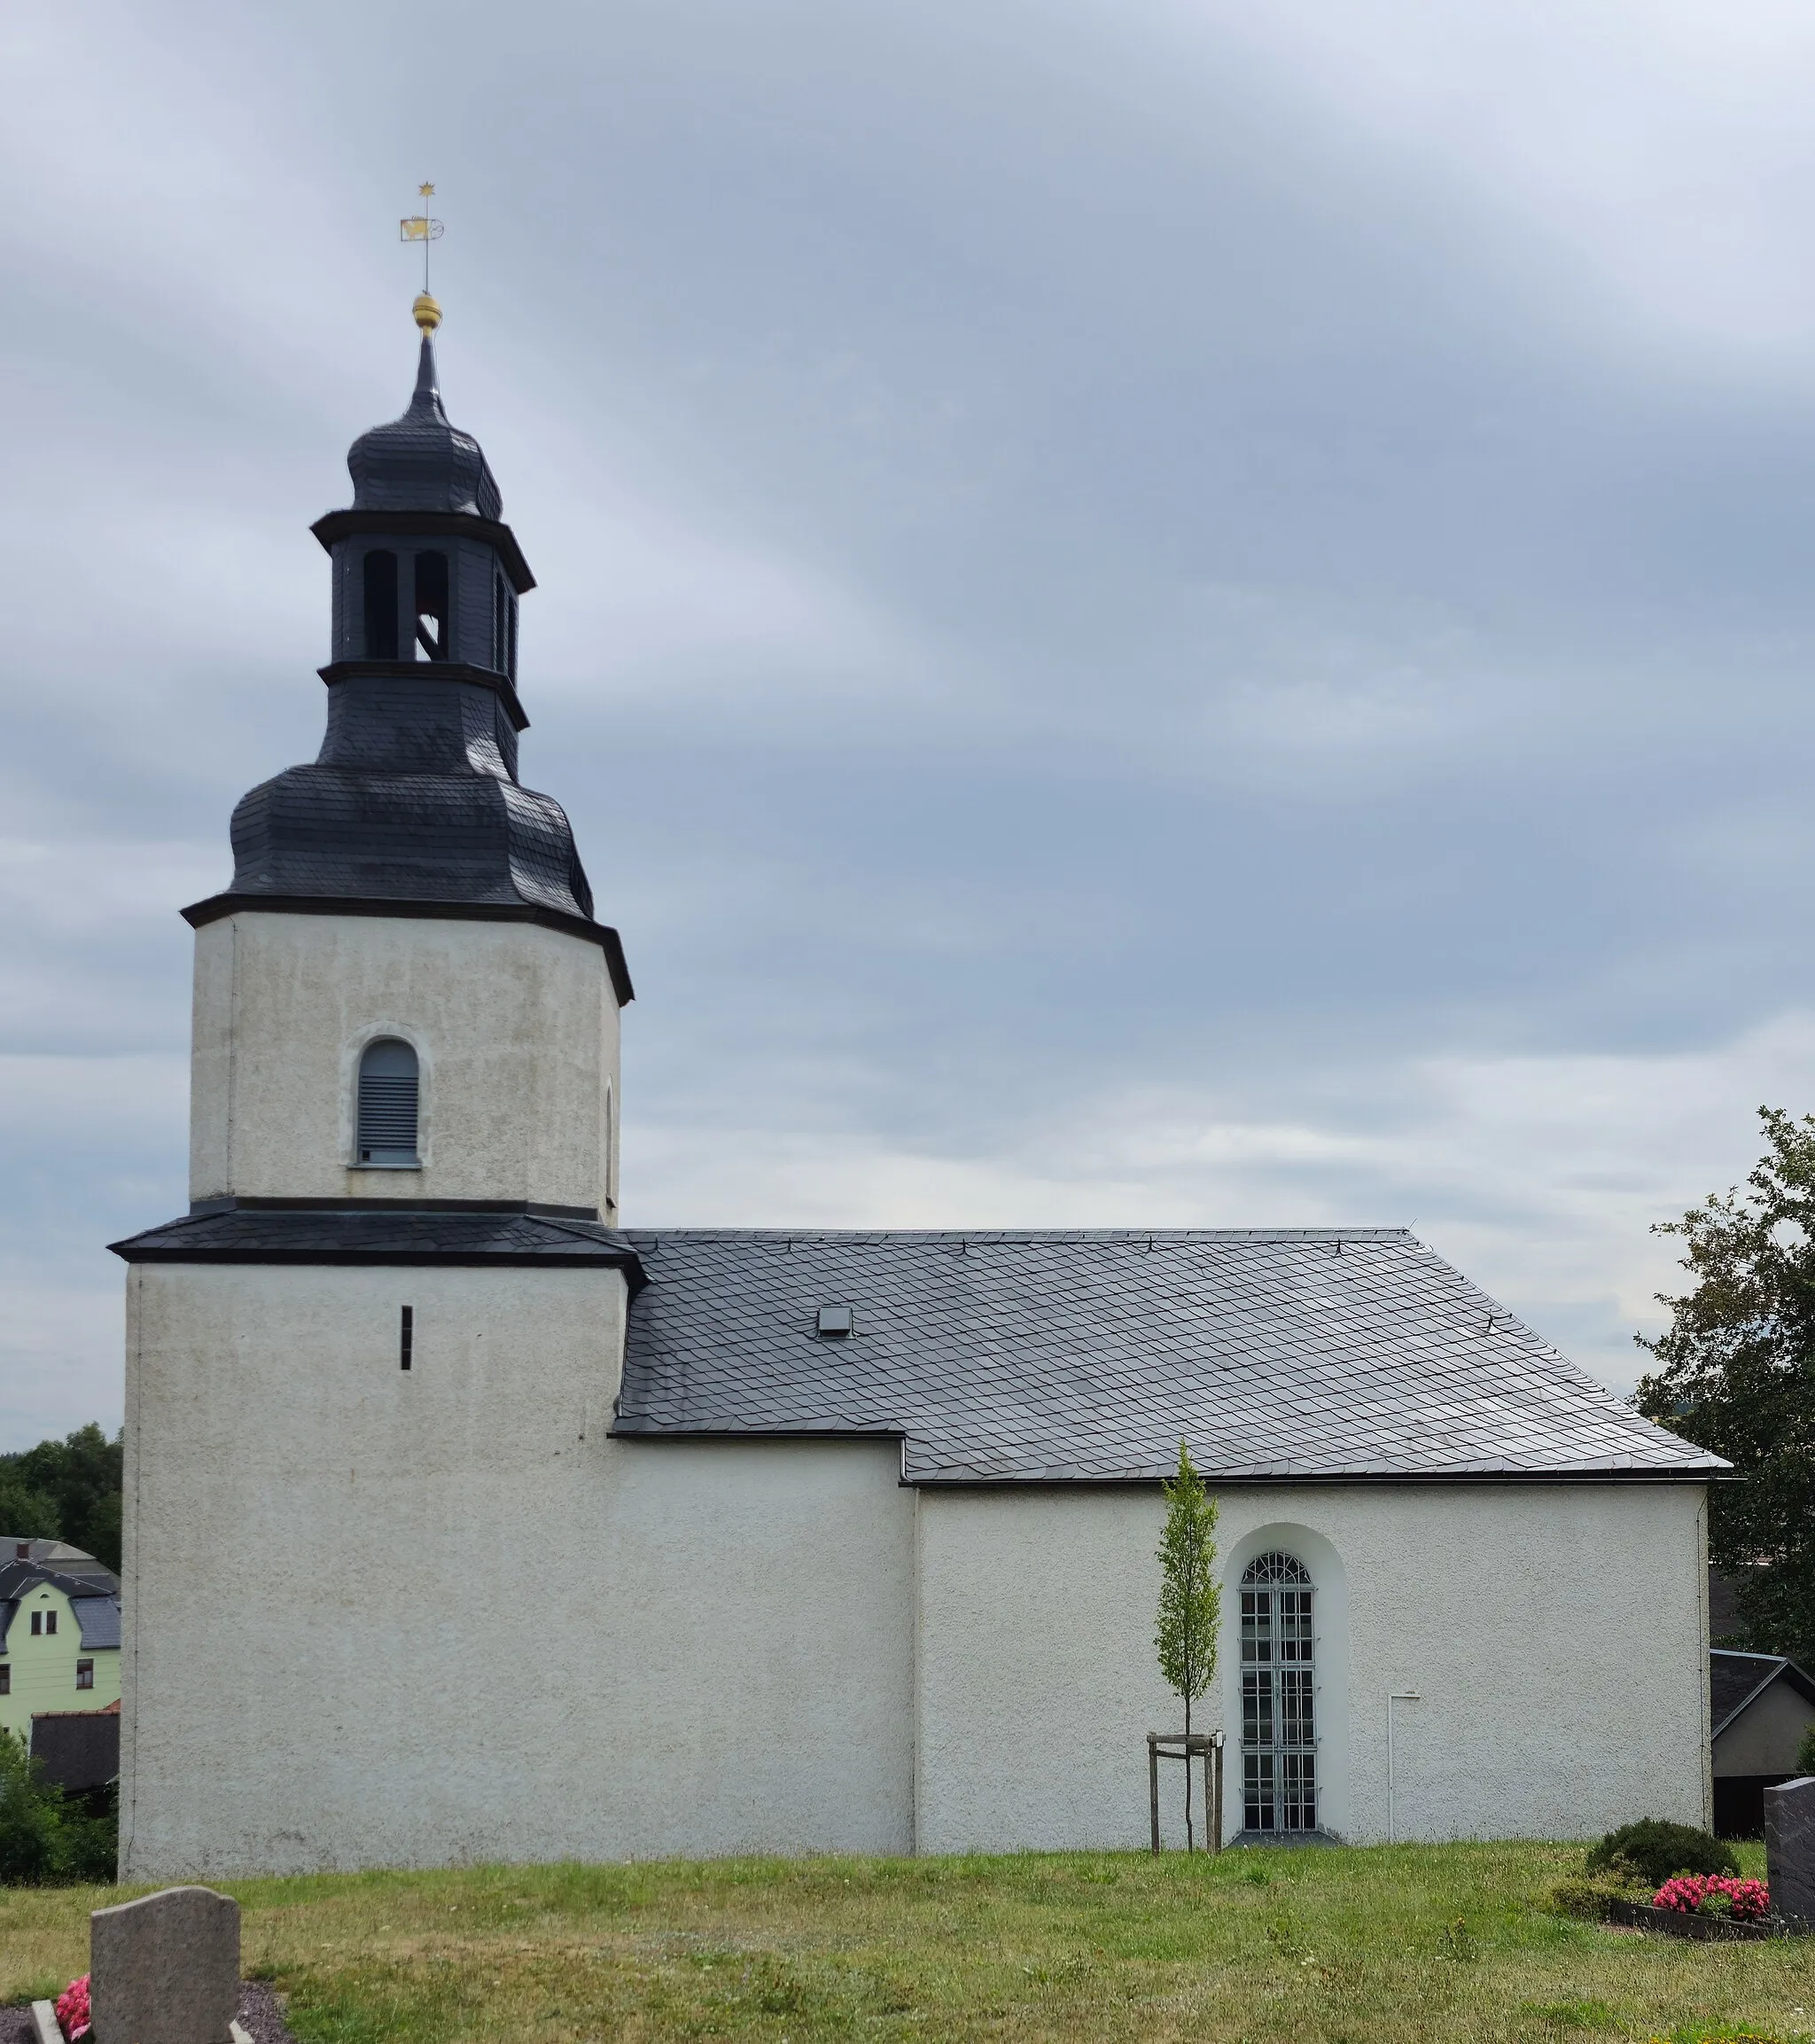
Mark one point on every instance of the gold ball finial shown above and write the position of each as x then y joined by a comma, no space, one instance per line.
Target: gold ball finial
427,312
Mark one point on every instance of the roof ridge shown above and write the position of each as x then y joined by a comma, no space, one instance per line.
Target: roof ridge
1027,1235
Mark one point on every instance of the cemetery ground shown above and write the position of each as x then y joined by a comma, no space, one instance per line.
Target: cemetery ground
1313,1946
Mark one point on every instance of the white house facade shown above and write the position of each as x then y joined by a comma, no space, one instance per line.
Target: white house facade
463,1523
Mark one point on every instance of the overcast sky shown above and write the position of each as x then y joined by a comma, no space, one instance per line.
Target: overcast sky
1150,612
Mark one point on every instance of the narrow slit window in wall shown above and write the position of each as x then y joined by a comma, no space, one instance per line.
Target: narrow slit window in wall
6,1678
498,624
406,1339
511,634
432,604
381,606
387,1106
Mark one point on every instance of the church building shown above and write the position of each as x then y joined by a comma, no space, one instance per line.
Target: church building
464,1523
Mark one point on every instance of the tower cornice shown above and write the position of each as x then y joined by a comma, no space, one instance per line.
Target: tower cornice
409,908
501,686
339,525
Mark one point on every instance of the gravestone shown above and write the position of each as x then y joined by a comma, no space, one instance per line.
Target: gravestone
165,1970
1790,1851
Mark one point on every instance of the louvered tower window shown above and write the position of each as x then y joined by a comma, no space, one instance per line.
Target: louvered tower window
387,1103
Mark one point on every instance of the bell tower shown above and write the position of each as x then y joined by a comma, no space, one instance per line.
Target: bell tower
403,910
387,1337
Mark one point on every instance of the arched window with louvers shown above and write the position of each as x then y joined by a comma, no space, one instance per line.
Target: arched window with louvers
389,1106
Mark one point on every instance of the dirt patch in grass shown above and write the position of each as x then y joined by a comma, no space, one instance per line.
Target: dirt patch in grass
1341,1946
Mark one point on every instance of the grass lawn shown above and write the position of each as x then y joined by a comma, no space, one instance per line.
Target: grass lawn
1389,1943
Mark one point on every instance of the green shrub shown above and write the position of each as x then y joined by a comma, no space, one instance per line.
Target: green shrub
1653,1850
46,1836
29,1815
1806,1752
1588,1900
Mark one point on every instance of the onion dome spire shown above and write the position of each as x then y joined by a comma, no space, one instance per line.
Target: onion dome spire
422,461
414,798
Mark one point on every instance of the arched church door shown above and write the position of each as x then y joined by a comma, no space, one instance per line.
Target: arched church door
1279,1733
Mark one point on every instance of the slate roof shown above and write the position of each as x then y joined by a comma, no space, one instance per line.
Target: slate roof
380,1235
1081,1355
422,461
1735,1681
99,1619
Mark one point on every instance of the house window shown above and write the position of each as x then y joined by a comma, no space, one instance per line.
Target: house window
1279,1733
387,1106
43,1623
380,606
6,1678
84,1675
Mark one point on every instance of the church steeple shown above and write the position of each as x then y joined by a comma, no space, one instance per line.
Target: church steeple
413,796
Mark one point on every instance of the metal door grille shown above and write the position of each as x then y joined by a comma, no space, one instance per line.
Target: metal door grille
1279,1728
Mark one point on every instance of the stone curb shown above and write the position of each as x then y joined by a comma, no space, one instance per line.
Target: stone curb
50,2032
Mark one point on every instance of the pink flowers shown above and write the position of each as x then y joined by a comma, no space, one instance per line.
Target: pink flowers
1713,1895
73,2010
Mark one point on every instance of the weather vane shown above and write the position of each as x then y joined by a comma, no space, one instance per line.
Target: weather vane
419,227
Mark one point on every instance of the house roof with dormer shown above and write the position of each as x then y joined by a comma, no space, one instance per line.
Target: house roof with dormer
97,1610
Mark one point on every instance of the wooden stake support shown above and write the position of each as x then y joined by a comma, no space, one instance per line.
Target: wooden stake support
1187,1746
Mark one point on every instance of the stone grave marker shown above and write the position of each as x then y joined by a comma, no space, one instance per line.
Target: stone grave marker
165,1970
1790,1851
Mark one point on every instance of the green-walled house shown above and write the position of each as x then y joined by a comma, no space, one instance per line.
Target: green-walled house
59,1633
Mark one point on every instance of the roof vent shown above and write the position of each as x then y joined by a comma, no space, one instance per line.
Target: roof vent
837,1320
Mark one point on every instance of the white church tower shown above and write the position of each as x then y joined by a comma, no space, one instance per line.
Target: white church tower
361,1371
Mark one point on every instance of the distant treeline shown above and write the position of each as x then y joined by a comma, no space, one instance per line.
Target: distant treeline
66,1490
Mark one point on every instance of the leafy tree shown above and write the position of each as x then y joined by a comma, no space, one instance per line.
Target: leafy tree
1736,1374
1806,1752
1190,1598
65,1490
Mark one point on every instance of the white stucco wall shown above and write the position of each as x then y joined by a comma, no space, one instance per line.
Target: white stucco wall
375,1618
380,1618
515,1026
1555,1634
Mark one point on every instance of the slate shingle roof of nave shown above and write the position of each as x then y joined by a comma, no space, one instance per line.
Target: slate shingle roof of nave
1079,1355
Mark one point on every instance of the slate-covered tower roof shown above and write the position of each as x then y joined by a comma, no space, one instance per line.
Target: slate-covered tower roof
414,797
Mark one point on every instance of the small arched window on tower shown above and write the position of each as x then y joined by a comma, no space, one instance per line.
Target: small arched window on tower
498,625
380,571
432,604
389,1105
